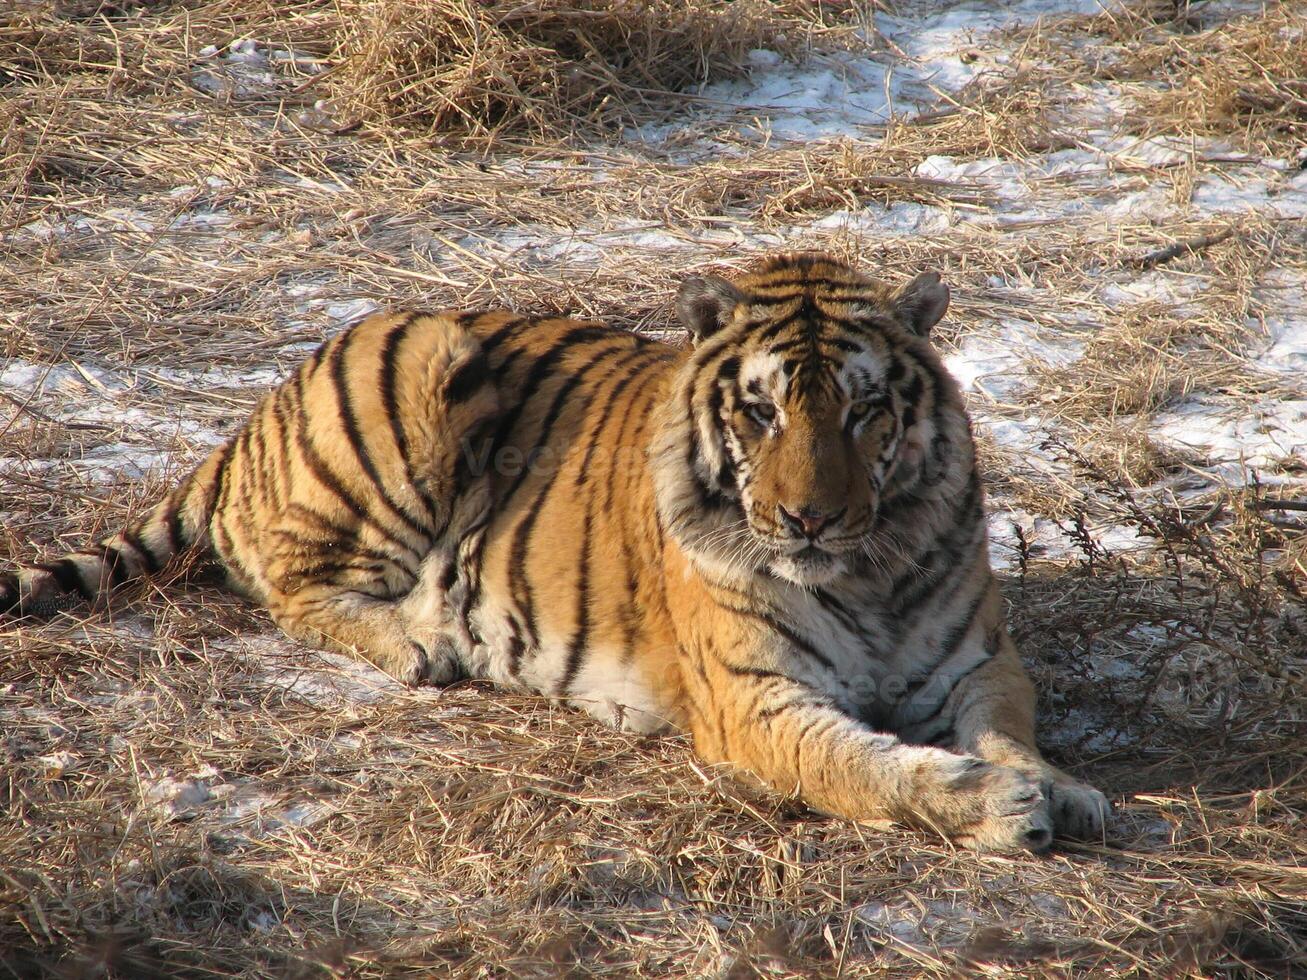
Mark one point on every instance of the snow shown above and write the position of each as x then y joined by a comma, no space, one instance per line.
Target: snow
180,798
996,364
1151,287
1235,438
845,94
1287,351
246,68
900,218
1268,196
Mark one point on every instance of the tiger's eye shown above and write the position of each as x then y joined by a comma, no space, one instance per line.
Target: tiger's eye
762,413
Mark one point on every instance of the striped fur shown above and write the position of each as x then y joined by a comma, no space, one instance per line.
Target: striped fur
775,539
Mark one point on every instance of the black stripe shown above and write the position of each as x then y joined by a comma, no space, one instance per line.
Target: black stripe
801,700
490,342
467,379
389,399
579,644
552,414
936,379
941,737
222,478
939,708
115,566
635,474
355,436
335,533
543,367
272,433
519,580
896,370
806,282
774,624
223,542
944,550
783,346
218,490
450,575
173,525
952,640
256,448
10,594
837,609
807,729
69,577
602,423
322,473
305,548
327,570
913,390
803,311
725,475
825,318
847,346
709,497
138,545
630,612
759,673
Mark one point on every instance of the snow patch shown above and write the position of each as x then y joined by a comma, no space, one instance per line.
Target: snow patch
997,364
180,799
1239,194
246,68
844,94
1234,437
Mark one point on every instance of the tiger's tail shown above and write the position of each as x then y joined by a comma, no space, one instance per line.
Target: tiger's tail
177,523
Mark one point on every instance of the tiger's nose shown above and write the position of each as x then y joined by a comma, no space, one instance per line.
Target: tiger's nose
807,521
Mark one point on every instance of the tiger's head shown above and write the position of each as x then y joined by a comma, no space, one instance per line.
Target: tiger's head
812,400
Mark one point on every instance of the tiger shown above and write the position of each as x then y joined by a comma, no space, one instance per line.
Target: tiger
772,538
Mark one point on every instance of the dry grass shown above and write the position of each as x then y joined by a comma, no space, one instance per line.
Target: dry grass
546,65
1191,72
195,240
1246,80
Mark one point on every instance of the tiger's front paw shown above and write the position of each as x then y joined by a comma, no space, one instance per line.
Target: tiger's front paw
435,661
995,808
1079,811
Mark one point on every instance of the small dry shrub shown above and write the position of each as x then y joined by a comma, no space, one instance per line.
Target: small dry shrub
543,65
1197,71
1246,77
36,43
1129,456
1148,357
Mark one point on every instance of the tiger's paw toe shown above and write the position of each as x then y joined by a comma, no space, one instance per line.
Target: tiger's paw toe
1079,811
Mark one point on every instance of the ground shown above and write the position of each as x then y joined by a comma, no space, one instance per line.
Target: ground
1116,195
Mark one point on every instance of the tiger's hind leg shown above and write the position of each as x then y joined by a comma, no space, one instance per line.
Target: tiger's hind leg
371,629
371,541
413,628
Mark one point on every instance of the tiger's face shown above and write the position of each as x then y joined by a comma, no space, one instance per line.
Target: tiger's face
812,396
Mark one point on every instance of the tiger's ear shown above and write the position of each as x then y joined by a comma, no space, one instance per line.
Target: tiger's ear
922,302
705,304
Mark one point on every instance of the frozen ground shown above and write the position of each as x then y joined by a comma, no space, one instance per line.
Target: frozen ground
1048,253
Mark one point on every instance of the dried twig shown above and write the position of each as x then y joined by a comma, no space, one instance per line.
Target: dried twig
1190,246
